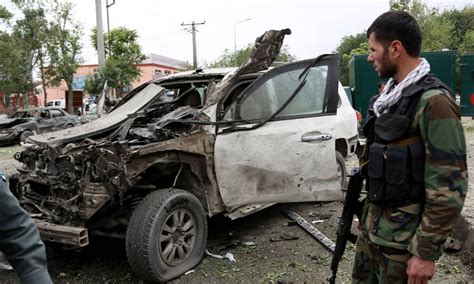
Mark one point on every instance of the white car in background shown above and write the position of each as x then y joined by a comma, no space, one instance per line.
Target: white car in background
61,103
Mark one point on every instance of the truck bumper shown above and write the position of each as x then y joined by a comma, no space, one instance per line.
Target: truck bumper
68,235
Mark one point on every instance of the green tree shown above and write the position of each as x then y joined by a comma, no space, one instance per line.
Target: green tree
5,47
23,51
33,32
123,56
436,28
94,84
64,48
462,26
16,66
5,15
436,33
347,44
467,46
44,38
231,59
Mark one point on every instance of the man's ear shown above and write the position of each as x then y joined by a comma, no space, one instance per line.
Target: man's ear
396,49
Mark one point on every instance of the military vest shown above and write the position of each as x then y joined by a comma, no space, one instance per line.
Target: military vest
396,153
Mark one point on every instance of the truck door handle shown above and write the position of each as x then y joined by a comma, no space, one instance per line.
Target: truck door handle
315,136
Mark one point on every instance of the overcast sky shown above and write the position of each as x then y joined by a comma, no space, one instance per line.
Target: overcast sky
317,26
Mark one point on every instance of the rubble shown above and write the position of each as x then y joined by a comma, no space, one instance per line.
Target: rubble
228,256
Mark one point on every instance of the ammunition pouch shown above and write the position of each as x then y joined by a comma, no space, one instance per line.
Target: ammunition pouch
396,174
391,127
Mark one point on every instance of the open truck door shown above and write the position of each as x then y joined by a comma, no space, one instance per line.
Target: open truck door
290,156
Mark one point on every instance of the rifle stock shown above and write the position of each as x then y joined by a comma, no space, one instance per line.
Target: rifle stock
352,206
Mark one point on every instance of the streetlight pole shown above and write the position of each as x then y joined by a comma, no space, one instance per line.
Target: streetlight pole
107,5
100,33
235,37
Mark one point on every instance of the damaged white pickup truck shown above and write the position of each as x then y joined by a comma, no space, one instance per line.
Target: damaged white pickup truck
186,147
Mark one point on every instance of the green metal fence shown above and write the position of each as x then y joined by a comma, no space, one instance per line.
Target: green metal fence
467,85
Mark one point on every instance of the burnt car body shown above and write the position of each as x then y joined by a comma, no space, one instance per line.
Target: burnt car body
153,169
24,123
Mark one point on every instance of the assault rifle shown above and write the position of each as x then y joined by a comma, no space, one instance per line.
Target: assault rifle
352,206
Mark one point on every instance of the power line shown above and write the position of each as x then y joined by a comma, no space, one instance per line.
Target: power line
193,31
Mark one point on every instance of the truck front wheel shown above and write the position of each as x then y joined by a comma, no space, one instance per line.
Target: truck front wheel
166,235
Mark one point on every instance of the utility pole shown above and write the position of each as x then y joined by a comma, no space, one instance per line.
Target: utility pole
107,6
193,31
235,38
100,52
235,33
100,33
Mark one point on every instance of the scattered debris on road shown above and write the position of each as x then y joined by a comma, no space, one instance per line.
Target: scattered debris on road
452,245
325,241
228,256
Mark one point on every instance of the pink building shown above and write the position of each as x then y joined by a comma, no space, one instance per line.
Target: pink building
154,66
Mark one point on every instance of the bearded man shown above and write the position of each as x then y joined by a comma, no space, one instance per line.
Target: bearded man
416,171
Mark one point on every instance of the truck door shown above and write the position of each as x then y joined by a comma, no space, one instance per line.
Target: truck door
291,157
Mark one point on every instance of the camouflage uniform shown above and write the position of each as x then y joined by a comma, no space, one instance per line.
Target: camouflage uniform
390,236
20,240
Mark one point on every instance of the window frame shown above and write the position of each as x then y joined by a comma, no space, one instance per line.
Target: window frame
53,110
328,107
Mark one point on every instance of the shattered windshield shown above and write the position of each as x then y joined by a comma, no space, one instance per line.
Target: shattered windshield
189,93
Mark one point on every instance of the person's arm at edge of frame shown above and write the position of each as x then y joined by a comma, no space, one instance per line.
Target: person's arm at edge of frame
445,182
20,240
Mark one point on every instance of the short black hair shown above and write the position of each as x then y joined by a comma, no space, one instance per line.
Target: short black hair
397,25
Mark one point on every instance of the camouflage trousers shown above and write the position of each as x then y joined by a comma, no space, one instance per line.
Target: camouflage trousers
376,264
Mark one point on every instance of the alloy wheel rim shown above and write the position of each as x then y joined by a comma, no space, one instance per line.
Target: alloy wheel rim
177,237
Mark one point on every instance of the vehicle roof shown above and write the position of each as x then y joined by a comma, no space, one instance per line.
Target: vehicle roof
38,108
205,73
26,110
208,72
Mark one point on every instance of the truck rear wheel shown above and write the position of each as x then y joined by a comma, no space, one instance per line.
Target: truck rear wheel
166,235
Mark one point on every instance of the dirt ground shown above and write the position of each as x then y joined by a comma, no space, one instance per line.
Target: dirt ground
256,242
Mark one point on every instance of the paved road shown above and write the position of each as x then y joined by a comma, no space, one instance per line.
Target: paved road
259,260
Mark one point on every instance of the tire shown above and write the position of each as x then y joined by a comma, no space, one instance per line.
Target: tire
70,126
160,261
25,134
341,170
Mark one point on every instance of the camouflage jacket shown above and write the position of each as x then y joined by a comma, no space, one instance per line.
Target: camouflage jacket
423,229
20,240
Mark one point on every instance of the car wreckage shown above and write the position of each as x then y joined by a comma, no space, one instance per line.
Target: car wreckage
24,123
153,169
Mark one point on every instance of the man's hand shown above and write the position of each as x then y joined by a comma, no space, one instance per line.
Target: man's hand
419,270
